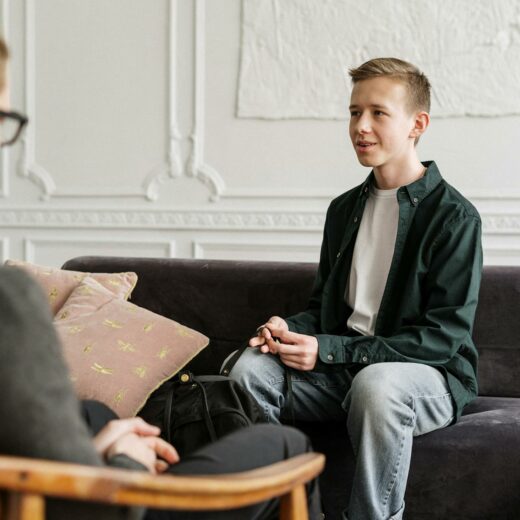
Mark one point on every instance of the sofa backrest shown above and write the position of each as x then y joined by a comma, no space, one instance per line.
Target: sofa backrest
227,300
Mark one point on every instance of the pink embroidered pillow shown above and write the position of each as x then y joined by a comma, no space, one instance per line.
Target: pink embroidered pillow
117,352
58,283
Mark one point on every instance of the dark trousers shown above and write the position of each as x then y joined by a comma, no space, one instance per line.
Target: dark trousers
242,450
40,416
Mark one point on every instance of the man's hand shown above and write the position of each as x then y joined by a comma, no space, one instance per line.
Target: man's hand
265,333
138,440
297,351
145,450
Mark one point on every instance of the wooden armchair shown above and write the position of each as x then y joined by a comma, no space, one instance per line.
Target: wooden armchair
26,482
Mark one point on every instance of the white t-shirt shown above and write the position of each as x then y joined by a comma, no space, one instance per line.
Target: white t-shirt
372,257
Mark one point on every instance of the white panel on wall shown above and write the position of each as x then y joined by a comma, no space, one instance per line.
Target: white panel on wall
501,248
257,250
505,256
295,53
97,94
55,251
4,172
4,249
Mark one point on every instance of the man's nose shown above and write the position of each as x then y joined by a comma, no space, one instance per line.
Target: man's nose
363,125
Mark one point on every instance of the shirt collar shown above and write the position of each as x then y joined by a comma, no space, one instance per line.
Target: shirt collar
418,190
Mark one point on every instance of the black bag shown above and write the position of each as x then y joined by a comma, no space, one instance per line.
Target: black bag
193,411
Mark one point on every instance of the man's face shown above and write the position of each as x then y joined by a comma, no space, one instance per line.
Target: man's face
381,123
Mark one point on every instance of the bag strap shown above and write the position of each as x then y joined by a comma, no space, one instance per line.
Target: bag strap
185,378
207,416
230,362
168,415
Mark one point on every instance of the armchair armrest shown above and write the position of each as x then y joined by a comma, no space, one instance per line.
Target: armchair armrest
28,481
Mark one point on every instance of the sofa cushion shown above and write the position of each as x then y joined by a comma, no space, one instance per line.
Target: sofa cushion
497,331
117,352
57,284
470,470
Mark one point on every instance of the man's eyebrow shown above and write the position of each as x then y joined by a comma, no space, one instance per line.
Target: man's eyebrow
373,105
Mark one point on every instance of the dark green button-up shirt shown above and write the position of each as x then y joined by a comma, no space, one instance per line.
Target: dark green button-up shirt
429,302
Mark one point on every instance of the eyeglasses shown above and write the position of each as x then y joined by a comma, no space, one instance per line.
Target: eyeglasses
11,126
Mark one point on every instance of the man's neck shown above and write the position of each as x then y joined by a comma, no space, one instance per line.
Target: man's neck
390,176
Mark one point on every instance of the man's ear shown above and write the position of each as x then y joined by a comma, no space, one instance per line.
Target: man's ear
422,120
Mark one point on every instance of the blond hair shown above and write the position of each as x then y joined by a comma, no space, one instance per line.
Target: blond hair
416,82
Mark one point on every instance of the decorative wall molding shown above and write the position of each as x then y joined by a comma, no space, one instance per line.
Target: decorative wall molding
196,165
277,220
203,249
174,167
501,224
169,168
162,219
29,168
327,195
286,194
31,244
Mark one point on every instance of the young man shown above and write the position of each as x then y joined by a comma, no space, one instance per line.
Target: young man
40,416
385,342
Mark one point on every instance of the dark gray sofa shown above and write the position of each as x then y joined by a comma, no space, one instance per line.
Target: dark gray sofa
470,470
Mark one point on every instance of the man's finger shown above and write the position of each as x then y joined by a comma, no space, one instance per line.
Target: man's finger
256,341
264,331
272,346
163,449
296,358
161,466
141,427
286,336
287,349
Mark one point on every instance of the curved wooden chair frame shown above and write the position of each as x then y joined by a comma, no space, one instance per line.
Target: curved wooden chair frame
26,483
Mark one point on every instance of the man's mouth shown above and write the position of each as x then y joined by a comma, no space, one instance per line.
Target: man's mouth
365,145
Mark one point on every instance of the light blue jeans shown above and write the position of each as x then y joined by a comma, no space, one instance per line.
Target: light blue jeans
385,406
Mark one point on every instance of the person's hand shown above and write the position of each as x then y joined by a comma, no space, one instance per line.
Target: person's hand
152,452
117,428
138,440
298,351
264,333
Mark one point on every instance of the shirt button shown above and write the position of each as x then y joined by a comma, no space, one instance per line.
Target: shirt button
366,189
415,200
365,359
330,357
338,255
355,219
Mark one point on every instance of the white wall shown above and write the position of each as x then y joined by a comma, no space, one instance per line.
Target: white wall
140,145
